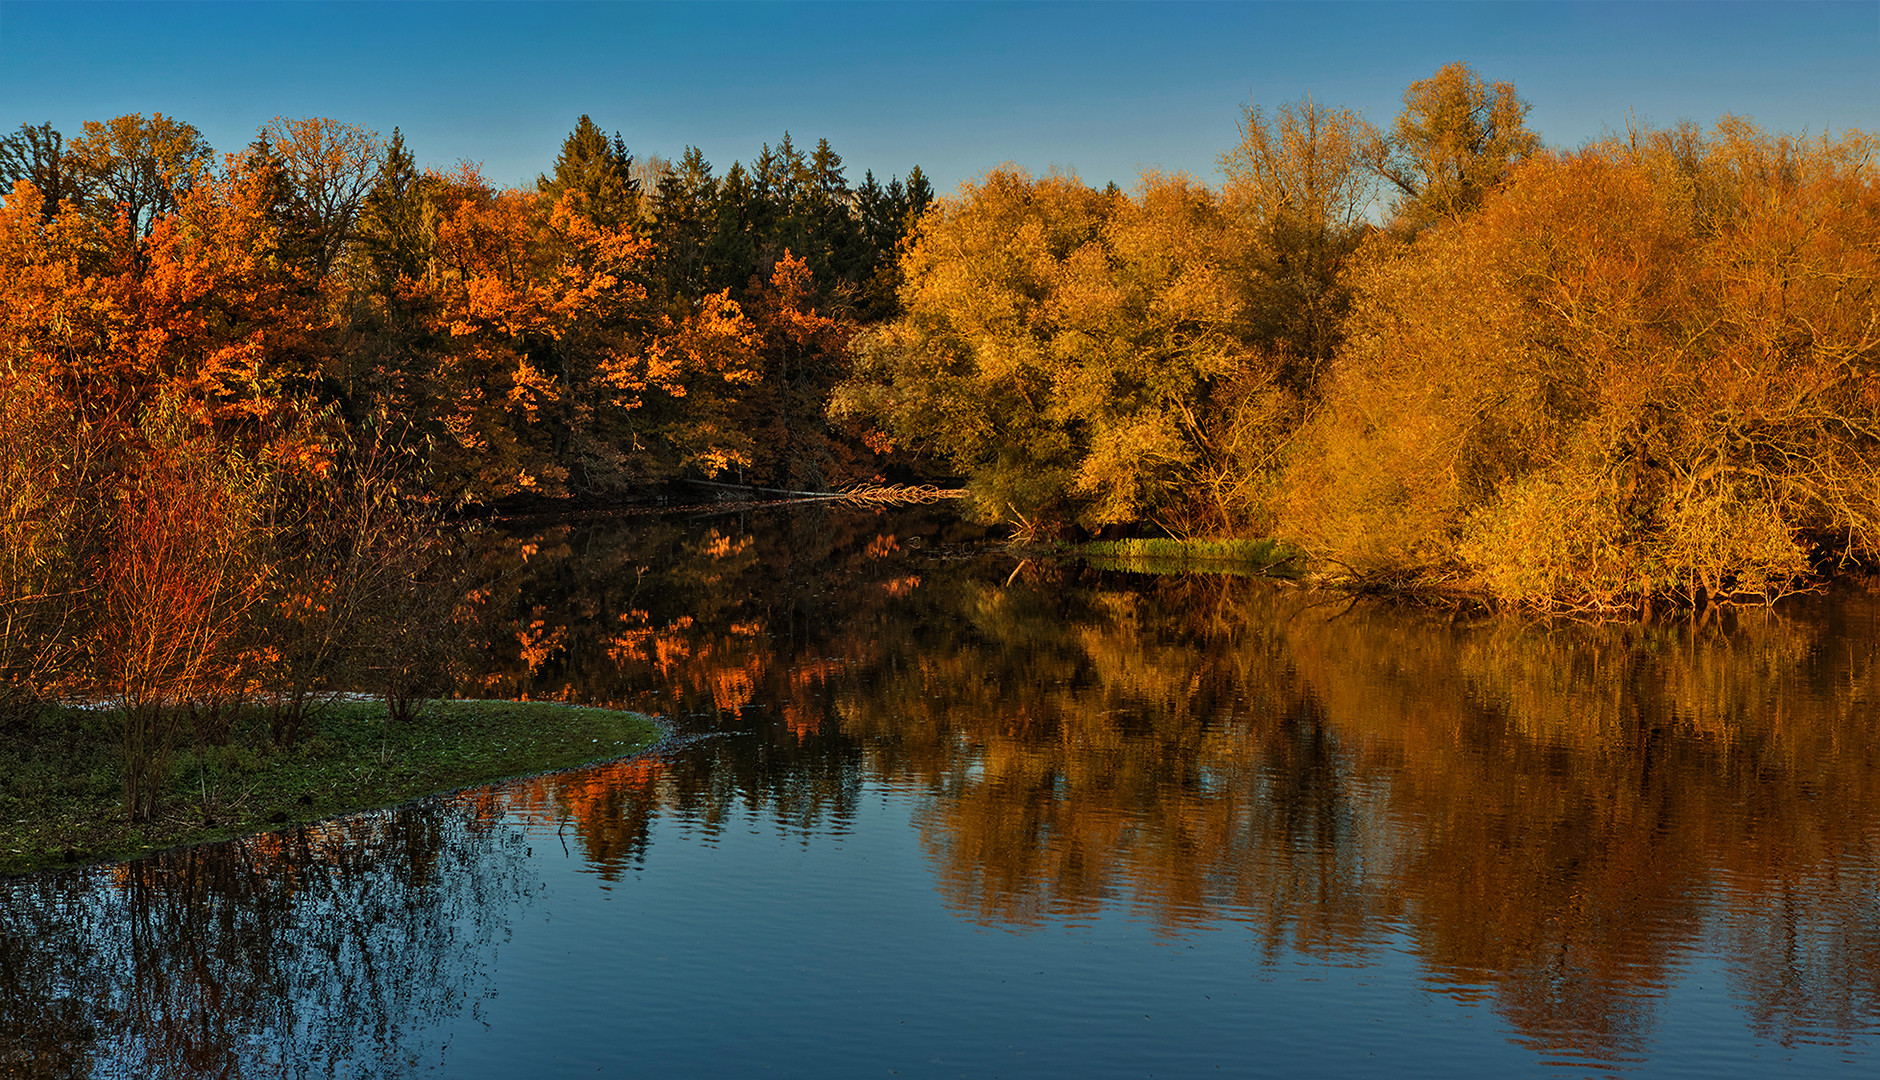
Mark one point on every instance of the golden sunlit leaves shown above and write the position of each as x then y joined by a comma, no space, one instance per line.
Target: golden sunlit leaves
1456,139
1637,369
1060,344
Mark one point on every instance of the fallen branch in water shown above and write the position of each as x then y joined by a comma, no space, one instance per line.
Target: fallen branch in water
900,494
860,494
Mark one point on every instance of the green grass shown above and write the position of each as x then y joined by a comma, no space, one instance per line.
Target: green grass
61,799
1268,558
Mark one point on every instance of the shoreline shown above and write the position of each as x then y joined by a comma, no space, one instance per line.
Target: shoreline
60,795
1451,587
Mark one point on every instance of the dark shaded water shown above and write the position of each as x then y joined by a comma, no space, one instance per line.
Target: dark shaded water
938,813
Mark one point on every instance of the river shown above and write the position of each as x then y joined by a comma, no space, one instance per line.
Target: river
933,810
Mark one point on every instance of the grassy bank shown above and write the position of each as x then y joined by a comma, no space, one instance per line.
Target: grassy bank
60,779
1267,558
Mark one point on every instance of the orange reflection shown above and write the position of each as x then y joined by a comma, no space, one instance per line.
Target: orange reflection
1554,818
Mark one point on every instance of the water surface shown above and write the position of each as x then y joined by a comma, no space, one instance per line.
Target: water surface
934,811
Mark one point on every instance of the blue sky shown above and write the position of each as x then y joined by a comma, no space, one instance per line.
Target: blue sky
1104,90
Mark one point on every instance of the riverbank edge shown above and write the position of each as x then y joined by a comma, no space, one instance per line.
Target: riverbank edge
68,815
1257,558
1445,587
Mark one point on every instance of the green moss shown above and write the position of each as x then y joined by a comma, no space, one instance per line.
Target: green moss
61,799
1268,558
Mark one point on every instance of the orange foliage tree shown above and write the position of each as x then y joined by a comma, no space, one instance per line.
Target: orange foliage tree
178,576
803,352
555,371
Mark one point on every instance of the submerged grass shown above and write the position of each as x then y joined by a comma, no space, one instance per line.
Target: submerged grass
1268,558
61,794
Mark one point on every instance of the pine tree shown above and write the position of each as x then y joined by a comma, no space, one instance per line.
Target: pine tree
885,217
601,170
879,218
393,223
286,212
738,213
683,210
919,194
779,223
837,256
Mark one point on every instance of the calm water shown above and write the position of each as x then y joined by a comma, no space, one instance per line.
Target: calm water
935,812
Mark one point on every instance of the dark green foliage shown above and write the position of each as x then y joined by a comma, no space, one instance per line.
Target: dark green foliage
682,225
601,170
297,244
392,226
731,247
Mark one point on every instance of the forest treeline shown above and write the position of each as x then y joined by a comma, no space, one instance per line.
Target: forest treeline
1439,354
243,392
615,324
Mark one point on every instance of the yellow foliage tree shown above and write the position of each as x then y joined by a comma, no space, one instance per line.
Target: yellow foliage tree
1642,368
1456,139
1059,345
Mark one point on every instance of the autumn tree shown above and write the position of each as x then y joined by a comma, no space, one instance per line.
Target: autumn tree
1058,344
1300,187
1456,139
556,365
331,167
361,589
968,372
50,539
37,154
1638,370
178,371
802,353
138,167
176,582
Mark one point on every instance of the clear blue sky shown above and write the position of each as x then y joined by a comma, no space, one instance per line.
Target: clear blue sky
1102,89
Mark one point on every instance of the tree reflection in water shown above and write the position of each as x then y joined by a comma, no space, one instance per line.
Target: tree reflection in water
1557,821
331,950
1554,818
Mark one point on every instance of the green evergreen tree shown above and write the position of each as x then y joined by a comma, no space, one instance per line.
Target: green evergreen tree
777,179
738,215
683,210
885,217
394,224
600,169
295,245
918,195
834,247
880,219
